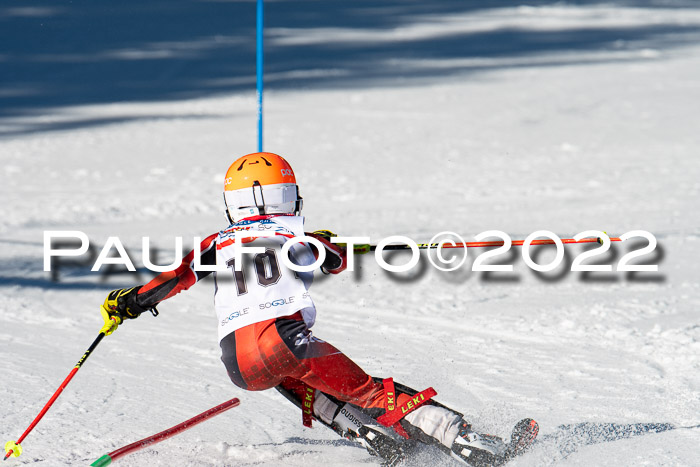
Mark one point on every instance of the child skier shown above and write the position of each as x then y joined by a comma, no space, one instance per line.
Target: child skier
265,313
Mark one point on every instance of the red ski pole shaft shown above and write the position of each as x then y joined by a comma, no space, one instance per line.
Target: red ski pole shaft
163,435
517,243
427,246
14,446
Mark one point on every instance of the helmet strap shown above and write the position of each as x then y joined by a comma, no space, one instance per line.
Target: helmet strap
260,205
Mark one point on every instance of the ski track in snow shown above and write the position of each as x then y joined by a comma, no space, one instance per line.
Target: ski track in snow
604,140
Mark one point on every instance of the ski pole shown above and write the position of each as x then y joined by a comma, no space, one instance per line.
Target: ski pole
13,448
163,435
361,249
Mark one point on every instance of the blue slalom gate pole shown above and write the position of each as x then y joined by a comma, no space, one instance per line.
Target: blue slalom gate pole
259,64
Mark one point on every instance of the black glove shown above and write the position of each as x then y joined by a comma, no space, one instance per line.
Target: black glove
122,304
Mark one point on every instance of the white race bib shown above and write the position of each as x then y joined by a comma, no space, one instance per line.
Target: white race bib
264,288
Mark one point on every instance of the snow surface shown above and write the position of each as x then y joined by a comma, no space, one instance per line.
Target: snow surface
399,118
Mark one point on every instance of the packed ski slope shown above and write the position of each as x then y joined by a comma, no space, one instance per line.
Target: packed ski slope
599,133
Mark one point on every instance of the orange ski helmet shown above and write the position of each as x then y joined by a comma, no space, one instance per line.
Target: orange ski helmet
260,183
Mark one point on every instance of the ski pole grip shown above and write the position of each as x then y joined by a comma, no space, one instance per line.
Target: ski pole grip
111,322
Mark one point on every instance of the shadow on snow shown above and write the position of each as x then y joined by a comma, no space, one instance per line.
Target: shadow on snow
73,53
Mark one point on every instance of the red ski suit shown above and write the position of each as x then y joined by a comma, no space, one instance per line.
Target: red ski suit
263,355
282,352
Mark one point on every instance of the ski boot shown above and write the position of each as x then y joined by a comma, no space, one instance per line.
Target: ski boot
480,450
379,440
476,449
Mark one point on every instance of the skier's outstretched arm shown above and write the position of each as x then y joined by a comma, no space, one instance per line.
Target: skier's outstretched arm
130,303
